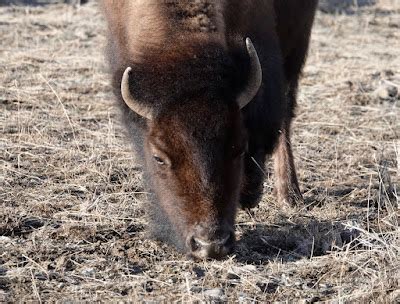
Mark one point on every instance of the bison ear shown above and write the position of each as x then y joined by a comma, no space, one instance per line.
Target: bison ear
255,77
130,101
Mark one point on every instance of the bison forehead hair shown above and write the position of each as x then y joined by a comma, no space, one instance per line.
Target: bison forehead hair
203,120
204,129
209,72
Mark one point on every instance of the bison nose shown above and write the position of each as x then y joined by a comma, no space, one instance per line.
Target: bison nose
201,245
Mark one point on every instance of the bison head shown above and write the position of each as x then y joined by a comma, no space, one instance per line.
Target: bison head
194,155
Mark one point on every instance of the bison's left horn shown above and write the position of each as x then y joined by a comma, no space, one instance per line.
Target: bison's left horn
130,101
255,77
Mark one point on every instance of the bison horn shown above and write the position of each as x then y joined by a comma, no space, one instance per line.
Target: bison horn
129,100
255,79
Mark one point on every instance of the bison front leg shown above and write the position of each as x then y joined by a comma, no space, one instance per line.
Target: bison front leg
286,185
252,184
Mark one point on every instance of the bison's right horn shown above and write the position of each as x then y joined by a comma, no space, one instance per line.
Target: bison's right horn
255,79
129,100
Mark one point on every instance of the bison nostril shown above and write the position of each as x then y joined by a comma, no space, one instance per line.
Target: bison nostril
193,244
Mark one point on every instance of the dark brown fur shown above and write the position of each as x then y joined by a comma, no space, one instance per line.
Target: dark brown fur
189,63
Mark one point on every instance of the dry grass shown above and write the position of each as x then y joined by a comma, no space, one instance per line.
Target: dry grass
72,224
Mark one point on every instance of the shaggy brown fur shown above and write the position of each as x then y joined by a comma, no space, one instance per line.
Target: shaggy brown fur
202,153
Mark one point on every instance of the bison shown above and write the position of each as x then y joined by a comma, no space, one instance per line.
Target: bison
207,90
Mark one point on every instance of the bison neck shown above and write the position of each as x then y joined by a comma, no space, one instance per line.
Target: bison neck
196,16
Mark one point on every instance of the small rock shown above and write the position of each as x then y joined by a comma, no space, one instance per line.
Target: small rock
172,280
199,272
386,91
88,272
5,240
216,293
196,289
232,276
250,268
61,286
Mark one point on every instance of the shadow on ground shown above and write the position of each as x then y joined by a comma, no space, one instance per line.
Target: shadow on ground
292,241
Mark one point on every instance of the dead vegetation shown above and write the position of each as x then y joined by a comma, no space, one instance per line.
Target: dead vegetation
72,224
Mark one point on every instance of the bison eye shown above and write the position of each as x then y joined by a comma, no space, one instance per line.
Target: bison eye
159,160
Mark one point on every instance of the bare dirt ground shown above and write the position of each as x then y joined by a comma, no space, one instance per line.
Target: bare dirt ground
72,223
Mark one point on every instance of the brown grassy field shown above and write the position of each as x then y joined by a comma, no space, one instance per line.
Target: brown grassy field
72,203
